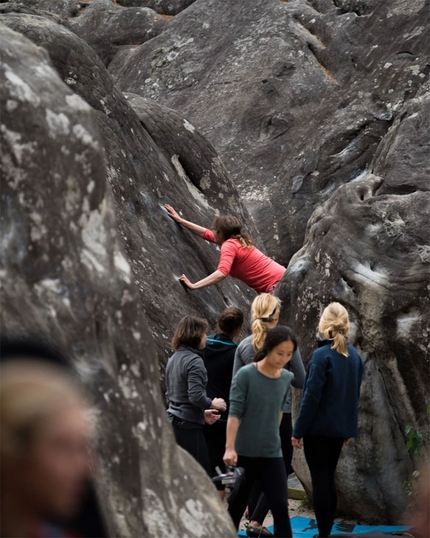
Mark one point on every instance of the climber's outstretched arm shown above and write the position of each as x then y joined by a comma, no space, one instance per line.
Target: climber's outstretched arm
195,228
210,280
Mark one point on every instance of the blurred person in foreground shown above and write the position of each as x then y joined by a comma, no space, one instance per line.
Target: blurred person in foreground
44,447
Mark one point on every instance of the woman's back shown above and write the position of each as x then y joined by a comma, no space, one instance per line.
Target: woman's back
218,359
186,380
331,393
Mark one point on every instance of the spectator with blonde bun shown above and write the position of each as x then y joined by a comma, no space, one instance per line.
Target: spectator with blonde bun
328,415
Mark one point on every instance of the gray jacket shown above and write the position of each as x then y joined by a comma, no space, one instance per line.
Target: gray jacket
245,355
186,380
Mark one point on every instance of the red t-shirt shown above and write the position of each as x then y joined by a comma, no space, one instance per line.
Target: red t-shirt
250,265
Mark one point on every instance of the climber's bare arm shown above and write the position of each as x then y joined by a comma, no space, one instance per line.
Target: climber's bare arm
195,228
210,280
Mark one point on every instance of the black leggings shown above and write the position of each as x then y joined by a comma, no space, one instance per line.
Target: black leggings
190,437
258,506
322,454
215,436
270,474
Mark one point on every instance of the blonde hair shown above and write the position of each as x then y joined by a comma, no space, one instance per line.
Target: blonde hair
263,308
334,325
30,395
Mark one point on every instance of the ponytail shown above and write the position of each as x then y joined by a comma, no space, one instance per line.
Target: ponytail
264,308
244,239
334,326
339,344
259,331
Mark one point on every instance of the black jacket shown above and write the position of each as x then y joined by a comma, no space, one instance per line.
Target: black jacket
219,358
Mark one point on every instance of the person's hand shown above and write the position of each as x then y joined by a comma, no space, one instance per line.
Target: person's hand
187,282
230,457
172,213
211,416
346,441
296,442
219,404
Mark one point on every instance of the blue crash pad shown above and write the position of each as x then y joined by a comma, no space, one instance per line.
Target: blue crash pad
305,527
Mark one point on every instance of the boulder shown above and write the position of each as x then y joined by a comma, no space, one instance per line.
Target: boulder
144,176
165,7
108,26
368,248
66,278
60,8
296,96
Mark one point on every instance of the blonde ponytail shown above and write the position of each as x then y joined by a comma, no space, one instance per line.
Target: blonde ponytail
334,325
264,308
259,331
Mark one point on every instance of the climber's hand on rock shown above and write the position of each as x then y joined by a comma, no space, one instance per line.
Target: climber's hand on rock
172,213
296,442
187,282
211,416
346,441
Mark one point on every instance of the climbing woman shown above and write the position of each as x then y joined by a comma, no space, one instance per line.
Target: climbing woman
257,396
328,415
239,257
186,379
265,316
218,358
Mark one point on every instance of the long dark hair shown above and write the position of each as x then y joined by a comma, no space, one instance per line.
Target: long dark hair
275,337
231,228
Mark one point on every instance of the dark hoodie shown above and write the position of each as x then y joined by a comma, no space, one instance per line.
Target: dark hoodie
219,358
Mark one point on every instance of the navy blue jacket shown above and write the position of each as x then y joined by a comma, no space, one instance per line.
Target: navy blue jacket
330,395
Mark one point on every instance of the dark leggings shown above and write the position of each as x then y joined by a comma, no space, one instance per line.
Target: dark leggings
258,506
215,436
270,474
322,454
190,437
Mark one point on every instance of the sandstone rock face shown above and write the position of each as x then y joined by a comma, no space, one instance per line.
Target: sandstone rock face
165,7
318,109
368,248
295,96
108,27
66,278
143,177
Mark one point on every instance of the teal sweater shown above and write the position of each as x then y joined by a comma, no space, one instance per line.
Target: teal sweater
257,401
